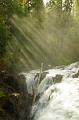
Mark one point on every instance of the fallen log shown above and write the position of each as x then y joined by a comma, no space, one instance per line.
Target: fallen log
35,91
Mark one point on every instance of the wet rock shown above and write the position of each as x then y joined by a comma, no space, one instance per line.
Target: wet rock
43,75
76,75
14,98
57,78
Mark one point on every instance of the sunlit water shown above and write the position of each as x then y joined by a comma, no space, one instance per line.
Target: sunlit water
58,101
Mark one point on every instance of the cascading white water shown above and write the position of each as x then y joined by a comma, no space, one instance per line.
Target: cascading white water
59,101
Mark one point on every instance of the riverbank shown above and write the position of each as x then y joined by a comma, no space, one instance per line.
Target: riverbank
14,99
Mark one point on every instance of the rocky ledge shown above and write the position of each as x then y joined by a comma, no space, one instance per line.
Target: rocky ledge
15,102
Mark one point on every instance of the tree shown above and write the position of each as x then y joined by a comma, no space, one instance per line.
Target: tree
37,10
8,8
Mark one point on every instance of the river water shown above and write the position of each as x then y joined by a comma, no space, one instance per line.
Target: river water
58,101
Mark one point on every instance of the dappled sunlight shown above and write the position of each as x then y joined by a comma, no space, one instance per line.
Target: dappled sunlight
33,48
45,37
31,42
42,33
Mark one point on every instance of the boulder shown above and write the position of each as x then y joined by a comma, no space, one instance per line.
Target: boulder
57,78
43,75
76,75
15,101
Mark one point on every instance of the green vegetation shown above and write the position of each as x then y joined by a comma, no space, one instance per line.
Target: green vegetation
31,33
1,94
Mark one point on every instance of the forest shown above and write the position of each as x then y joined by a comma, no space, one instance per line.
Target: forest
32,33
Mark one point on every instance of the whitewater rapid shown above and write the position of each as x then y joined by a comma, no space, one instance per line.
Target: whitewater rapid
59,101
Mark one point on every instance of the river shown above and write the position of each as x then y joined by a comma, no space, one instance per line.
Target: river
58,101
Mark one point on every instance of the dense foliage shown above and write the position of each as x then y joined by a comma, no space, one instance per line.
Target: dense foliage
31,33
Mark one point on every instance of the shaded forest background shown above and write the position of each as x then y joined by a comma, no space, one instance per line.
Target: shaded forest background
32,33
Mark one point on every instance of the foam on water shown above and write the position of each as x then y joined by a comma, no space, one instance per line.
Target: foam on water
59,101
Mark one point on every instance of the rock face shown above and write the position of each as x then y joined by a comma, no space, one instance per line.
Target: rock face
14,98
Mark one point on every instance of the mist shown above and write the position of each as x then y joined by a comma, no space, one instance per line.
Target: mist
45,36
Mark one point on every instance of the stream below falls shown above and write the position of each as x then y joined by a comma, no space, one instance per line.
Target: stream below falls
58,100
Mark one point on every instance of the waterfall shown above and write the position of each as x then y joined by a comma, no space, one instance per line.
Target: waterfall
58,100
